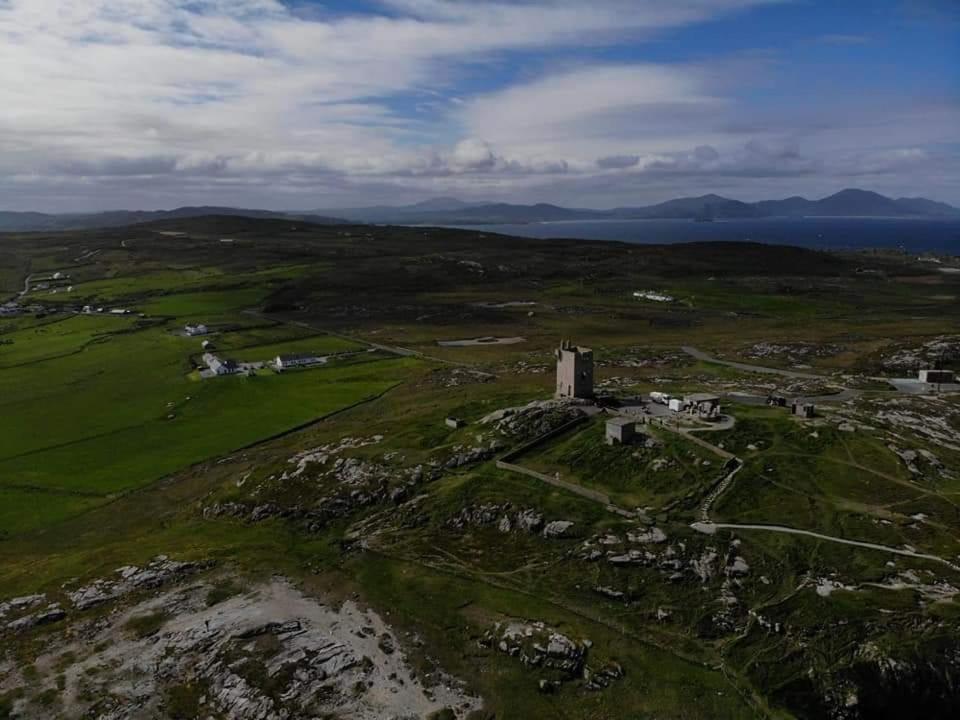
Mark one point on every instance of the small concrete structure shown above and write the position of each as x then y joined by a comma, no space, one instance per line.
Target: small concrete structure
193,330
620,431
295,360
704,405
676,404
802,409
574,371
455,423
934,377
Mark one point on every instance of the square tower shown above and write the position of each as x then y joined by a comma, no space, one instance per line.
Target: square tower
574,371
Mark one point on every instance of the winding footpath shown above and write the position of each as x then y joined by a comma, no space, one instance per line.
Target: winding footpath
709,527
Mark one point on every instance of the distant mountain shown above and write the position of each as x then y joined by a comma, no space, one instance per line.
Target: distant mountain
853,203
440,204
922,206
507,213
32,221
402,214
713,206
451,211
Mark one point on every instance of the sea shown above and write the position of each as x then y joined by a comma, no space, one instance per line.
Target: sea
912,235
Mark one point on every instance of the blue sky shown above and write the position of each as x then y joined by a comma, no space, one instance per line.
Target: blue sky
313,104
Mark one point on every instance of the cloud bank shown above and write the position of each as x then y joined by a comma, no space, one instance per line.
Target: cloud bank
153,103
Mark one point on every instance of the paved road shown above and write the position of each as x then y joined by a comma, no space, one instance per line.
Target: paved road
711,527
21,293
700,355
908,386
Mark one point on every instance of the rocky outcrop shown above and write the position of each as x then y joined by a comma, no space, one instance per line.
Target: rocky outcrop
558,529
18,604
345,486
945,348
542,648
504,516
537,645
534,419
50,614
463,455
131,579
269,653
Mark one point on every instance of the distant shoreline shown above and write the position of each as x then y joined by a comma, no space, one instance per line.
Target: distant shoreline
911,234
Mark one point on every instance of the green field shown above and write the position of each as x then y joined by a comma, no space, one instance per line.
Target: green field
633,476
108,404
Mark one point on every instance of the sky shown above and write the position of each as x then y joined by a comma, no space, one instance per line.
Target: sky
308,104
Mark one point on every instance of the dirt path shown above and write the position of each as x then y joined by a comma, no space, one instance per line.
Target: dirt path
709,528
706,525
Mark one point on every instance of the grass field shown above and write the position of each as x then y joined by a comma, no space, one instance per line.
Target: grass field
633,476
108,404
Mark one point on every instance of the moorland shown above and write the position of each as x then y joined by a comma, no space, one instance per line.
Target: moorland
179,545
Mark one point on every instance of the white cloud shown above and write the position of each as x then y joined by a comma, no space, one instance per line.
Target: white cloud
162,101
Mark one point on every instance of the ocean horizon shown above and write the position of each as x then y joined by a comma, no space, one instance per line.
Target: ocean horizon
916,235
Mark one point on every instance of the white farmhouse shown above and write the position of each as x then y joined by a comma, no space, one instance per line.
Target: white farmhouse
295,360
218,366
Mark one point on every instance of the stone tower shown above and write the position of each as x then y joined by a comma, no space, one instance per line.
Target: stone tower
574,371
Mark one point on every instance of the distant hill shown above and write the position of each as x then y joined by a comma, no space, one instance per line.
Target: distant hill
32,221
451,211
713,206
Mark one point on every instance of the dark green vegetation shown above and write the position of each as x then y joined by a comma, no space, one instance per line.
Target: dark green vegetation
114,450
673,473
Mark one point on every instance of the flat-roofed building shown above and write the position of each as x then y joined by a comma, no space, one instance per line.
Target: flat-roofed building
295,360
937,376
803,409
620,431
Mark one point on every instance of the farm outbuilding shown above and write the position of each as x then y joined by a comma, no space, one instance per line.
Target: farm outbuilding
620,431
218,366
937,376
803,409
295,360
